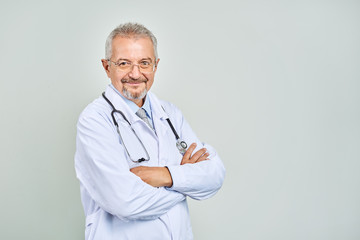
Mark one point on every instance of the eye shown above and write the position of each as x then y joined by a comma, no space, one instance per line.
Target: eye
145,63
123,64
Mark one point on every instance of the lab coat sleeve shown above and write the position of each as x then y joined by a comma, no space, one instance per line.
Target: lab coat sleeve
101,166
199,180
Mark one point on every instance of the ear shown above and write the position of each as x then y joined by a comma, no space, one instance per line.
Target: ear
106,66
157,63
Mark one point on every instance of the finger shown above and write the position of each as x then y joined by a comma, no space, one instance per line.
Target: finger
188,153
203,157
136,170
190,150
198,154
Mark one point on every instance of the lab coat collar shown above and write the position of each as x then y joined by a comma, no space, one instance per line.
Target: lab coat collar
157,109
133,106
119,103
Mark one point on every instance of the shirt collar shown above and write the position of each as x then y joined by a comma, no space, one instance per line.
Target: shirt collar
134,108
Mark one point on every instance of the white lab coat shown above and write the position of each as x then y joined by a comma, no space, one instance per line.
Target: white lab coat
117,203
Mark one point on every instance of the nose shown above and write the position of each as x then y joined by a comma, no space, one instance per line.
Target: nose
135,72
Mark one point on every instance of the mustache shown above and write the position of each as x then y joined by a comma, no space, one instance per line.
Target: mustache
129,80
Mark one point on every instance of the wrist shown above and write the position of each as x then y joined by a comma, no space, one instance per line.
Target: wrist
168,181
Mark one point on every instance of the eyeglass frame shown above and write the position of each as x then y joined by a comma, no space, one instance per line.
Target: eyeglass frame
132,66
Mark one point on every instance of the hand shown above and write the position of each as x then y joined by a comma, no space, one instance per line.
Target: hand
154,176
199,156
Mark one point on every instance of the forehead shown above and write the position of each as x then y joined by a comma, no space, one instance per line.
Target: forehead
132,48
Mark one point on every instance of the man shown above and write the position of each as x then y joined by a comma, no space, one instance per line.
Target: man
133,178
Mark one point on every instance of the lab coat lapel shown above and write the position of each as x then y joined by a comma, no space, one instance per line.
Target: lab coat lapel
159,116
162,130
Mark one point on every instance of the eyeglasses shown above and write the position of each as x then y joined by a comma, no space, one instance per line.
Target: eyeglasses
126,66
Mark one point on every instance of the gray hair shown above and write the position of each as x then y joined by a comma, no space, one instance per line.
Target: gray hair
129,30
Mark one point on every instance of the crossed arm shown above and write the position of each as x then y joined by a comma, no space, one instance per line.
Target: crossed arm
102,173
199,175
160,176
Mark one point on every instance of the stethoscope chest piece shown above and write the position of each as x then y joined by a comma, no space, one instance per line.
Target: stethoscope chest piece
181,145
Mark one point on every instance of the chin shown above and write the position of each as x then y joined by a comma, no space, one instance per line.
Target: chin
134,95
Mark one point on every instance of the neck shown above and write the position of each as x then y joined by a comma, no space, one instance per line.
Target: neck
138,102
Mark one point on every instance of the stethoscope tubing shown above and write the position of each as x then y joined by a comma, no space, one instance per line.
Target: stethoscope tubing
181,145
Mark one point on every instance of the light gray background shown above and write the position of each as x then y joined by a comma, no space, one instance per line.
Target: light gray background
273,85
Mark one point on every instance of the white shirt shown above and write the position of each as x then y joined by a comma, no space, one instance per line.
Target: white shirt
117,203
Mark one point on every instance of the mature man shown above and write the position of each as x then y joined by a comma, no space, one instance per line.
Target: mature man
134,169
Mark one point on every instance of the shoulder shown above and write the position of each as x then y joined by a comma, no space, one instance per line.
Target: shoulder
169,108
98,111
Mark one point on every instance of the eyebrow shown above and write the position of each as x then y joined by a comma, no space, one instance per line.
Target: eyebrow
128,60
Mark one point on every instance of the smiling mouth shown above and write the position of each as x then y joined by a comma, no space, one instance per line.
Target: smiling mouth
133,82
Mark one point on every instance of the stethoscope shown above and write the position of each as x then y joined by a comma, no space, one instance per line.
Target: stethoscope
180,144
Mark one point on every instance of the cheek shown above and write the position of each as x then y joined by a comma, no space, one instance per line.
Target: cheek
149,84
116,80
117,76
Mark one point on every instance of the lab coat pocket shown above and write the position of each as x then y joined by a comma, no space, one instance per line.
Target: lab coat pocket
91,225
